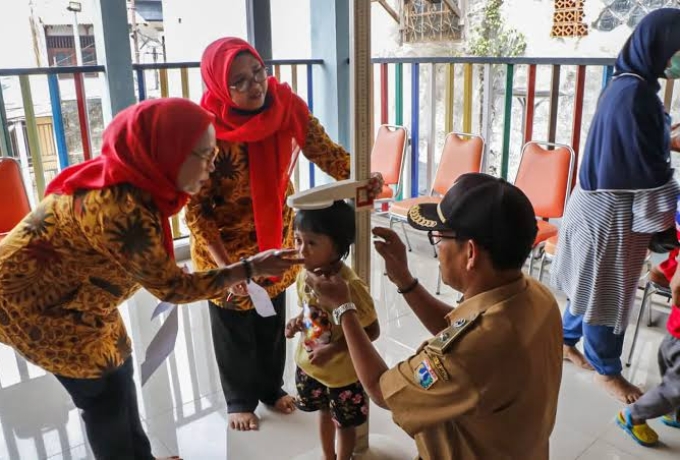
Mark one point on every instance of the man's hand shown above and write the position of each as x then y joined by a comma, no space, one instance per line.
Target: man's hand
321,354
393,251
332,291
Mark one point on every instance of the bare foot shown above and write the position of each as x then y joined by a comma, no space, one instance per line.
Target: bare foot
243,421
619,388
572,354
285,404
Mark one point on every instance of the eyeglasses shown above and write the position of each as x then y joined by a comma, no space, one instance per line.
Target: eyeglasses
436,237
243,84
207,156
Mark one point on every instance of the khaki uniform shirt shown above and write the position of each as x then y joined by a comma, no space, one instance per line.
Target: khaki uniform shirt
486,387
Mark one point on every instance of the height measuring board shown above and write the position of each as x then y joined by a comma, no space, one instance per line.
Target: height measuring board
361,122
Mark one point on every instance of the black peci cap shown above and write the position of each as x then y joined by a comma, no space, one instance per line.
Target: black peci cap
490,211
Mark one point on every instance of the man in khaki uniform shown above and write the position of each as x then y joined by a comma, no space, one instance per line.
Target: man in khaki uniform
486,385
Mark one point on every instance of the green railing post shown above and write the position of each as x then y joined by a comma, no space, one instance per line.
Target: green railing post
507,120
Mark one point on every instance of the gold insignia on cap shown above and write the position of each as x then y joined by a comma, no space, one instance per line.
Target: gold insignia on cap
417,218
440,213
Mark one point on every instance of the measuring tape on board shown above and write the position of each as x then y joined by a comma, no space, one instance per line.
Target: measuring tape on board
361,122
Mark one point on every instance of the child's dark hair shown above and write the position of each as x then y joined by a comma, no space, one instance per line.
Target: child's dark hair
336,222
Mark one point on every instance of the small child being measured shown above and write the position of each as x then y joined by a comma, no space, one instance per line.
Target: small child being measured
325,376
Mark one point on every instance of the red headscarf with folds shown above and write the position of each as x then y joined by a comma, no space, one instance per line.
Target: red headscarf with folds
269,134
145,145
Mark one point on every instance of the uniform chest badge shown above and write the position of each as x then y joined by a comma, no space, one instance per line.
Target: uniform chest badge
425,374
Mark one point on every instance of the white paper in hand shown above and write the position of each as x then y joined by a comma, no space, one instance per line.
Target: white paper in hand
163,343
260,297
162,307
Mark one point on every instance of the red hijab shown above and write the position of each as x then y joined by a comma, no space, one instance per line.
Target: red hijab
145,145
269,134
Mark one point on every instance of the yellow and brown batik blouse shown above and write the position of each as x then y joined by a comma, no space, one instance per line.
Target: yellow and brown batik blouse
223,209
66,268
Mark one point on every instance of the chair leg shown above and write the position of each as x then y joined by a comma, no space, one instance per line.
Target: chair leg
531,262
439,281
541,267
645,297
436,254
408,242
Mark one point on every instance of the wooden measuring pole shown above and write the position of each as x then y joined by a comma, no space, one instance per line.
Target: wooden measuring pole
361,82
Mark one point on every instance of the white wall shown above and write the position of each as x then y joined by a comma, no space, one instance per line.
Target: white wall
519,14
15,28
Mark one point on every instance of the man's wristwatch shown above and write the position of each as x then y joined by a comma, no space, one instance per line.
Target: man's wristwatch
341,310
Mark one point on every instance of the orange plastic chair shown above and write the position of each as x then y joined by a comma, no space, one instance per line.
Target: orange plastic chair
387,158
13,197
462,153
545,177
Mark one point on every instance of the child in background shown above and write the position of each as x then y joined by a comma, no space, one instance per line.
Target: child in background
664,400
325,376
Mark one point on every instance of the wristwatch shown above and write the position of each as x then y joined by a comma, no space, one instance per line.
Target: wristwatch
341,310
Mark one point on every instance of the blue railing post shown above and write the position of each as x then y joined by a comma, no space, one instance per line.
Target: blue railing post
607,73
310,104
58,121
141,84
415,111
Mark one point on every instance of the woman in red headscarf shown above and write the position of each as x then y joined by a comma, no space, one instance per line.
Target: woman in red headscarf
261,125
101,233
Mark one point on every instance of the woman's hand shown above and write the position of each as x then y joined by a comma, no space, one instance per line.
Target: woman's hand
294,326
239,290
376,185
675,137
274,262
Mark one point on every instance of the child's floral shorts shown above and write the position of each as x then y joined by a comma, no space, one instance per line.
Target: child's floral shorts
348,405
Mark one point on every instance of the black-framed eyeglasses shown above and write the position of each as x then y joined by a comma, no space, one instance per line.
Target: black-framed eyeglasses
436,237
208,156
244,84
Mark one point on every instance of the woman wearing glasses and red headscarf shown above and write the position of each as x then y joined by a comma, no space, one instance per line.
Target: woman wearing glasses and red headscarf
260,124
101,234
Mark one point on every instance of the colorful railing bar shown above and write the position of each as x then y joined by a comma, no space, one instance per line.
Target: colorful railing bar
448,96
5,145
399,94
141,84
507,119
384,95
578,116
607,74
32,131
163,80
529,106
184,78
310,104
554,102
58,121
467,97
83,118
668,94
415,131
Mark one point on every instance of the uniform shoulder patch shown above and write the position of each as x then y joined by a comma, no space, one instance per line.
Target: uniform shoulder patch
443,341
424,374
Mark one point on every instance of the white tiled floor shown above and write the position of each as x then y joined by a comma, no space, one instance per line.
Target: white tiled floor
184,411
